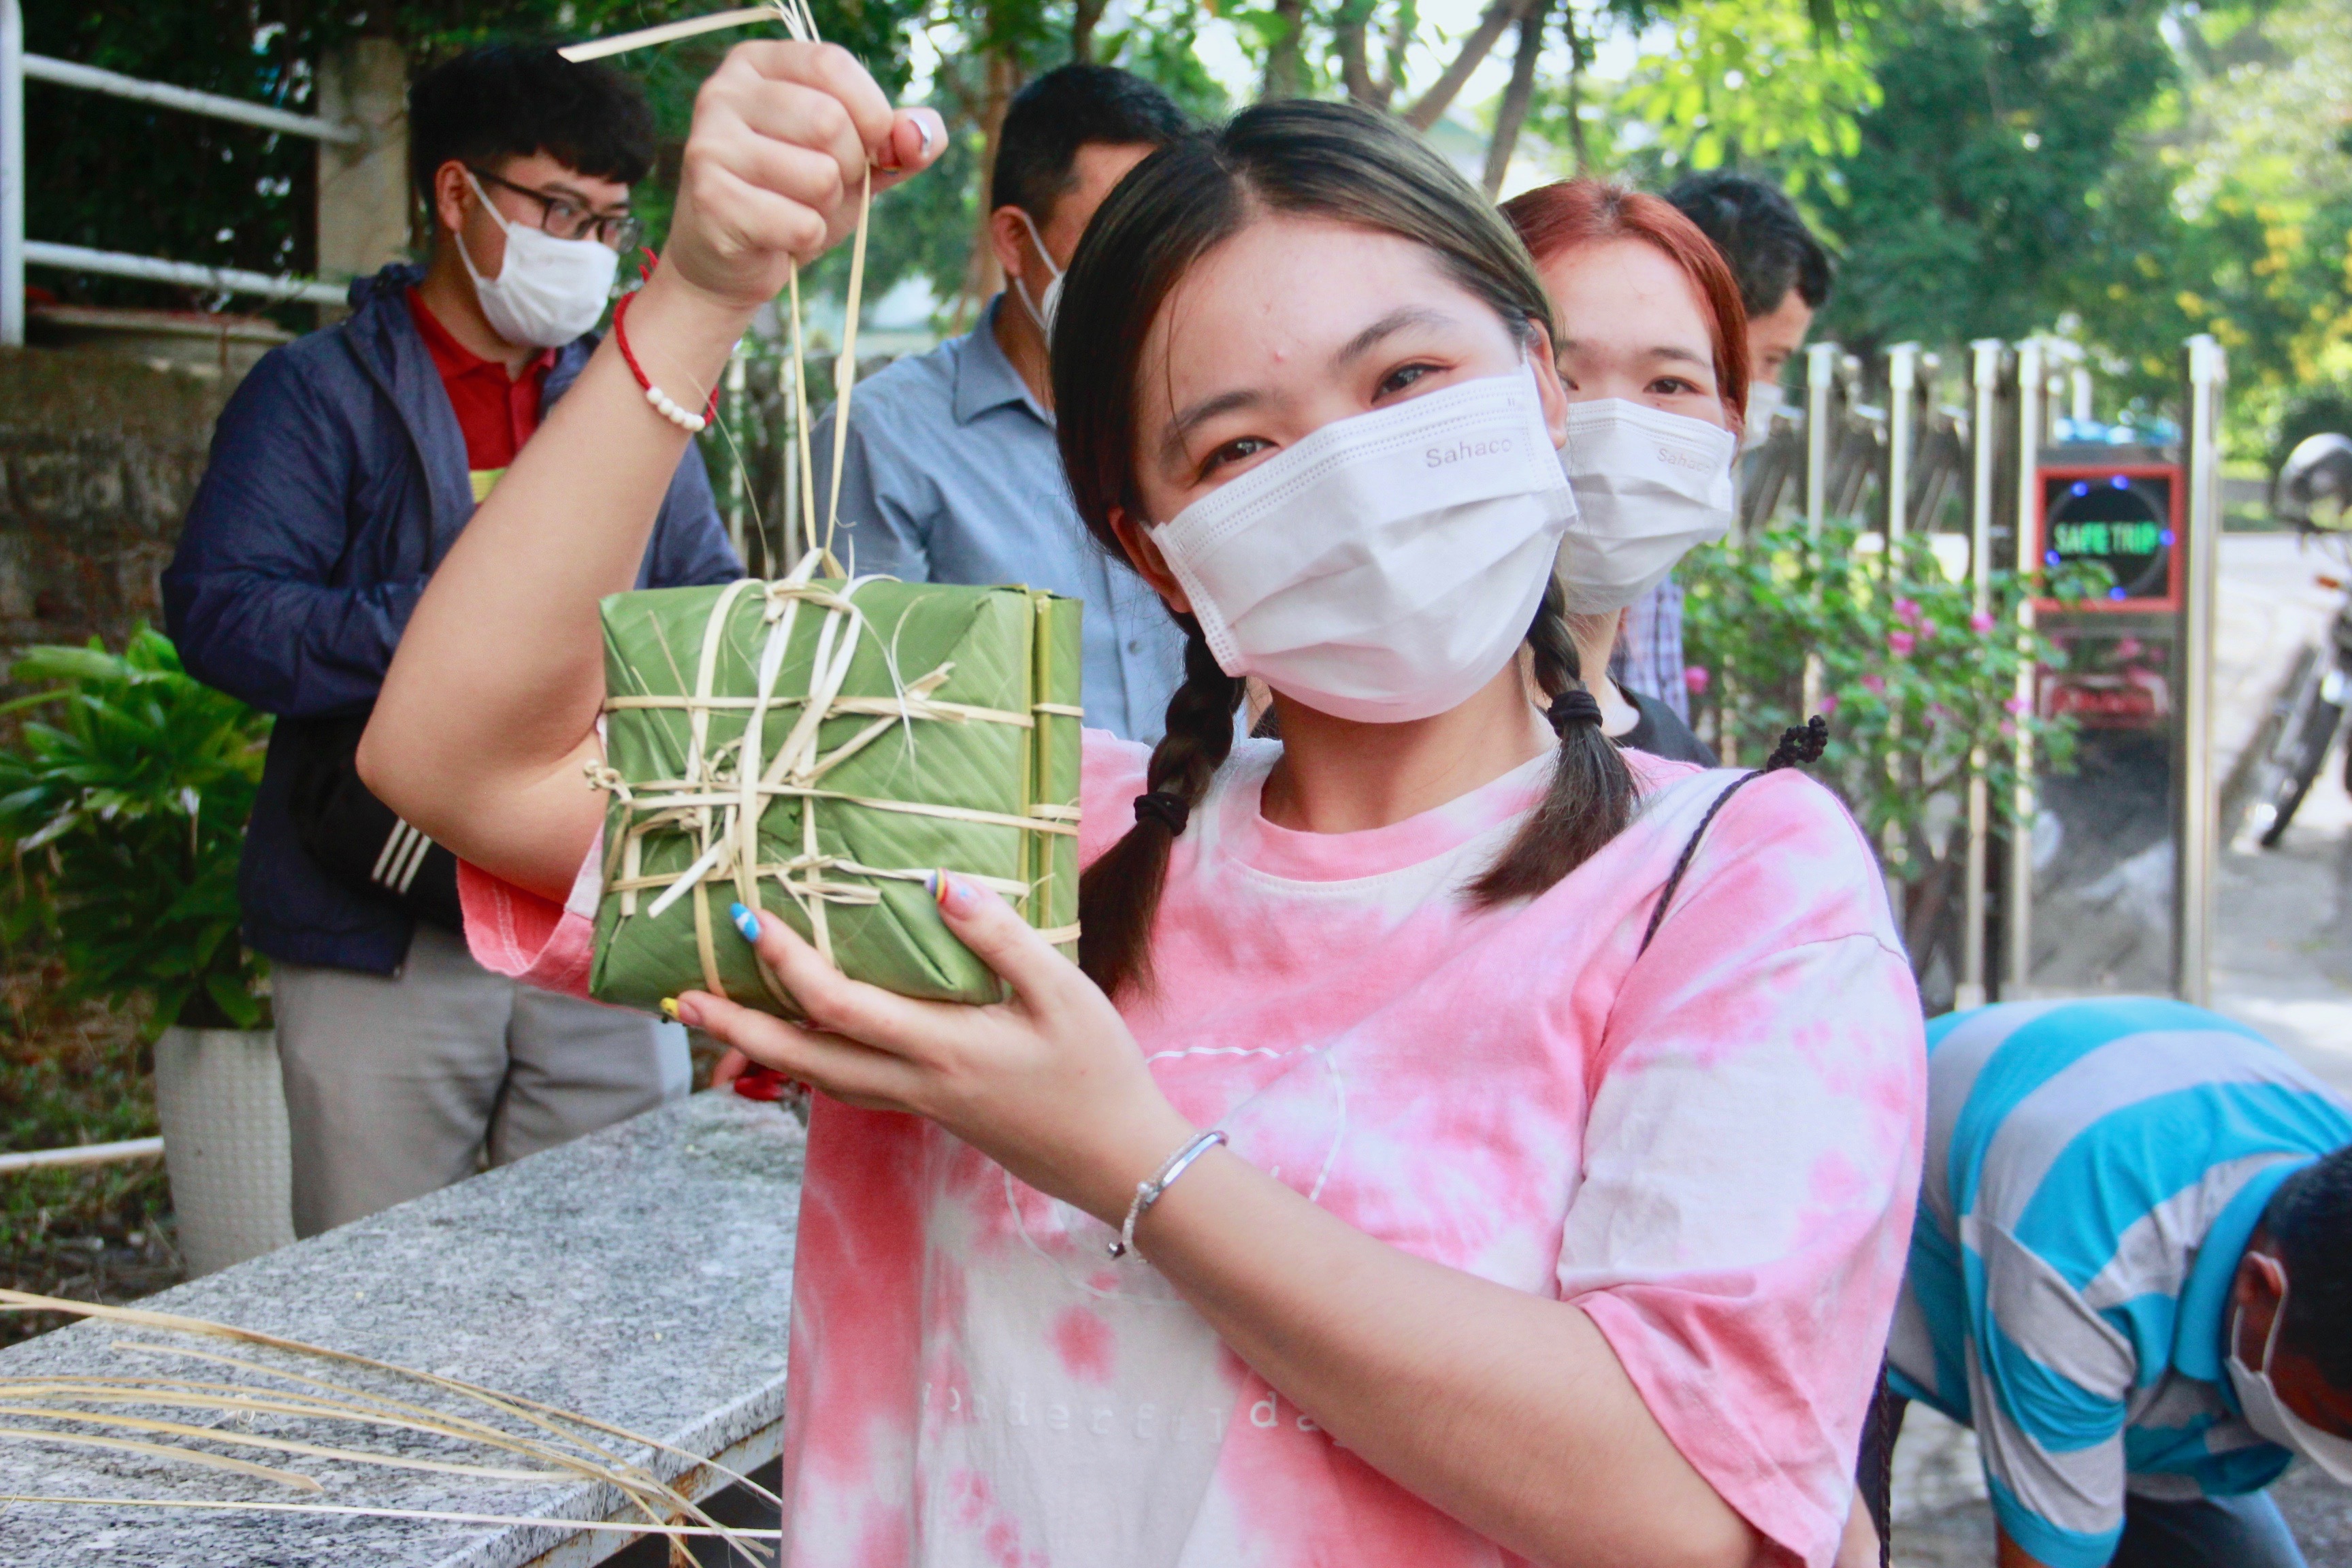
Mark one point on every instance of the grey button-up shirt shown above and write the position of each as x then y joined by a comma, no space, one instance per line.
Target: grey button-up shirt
950,475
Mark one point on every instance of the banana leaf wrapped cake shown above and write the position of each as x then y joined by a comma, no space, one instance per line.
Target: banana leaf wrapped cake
815,748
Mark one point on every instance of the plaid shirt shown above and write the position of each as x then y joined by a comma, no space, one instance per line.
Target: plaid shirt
1649,654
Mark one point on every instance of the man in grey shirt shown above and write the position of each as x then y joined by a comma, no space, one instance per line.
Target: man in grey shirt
950,473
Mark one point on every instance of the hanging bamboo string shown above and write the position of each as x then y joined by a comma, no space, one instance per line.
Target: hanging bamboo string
801,434
844,368
668,32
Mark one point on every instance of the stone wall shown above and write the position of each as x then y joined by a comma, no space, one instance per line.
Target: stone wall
100,457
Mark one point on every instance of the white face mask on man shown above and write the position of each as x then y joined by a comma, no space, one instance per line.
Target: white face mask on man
1388,566
1043,310
1764,401
548,291
1650,486
2267,1413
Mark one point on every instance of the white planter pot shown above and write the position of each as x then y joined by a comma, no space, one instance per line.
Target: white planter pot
223,1106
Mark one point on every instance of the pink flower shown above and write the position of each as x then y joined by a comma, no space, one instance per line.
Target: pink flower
2130,647
1981,622
1900,643
1696,680
1829,703
1875,684
2008,730
1908,611
1926,628
2017,705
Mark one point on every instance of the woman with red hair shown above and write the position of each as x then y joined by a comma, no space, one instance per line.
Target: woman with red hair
1650,319
1649,313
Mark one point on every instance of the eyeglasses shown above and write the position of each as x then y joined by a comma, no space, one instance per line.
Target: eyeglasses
564,218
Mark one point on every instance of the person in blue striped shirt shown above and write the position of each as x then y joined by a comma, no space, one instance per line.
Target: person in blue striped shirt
2132,1275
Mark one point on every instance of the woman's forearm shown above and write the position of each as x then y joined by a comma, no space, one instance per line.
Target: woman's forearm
489,710
1508,1411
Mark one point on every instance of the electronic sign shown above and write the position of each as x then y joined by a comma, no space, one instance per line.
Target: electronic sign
2124,517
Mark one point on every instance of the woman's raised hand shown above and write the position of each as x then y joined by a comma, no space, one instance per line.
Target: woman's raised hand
1050,1085
783,135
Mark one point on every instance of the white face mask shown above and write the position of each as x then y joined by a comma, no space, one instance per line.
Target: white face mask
1385,568
1763,407
2267,1413
1040,312
1649,486
548,291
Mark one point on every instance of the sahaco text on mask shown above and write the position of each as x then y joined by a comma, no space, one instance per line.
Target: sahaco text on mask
1439,457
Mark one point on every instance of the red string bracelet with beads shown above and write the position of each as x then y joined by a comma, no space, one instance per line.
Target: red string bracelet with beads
668,407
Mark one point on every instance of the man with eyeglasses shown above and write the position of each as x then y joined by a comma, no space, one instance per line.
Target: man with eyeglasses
342,471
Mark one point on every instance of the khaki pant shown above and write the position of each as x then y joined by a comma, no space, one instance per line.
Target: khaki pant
396,1086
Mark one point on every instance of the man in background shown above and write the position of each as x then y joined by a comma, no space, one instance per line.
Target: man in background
1784,275
952,473
342,471
2131,1274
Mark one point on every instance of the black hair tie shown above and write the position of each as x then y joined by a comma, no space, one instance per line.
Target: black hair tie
1575,707
1799,746
1163,808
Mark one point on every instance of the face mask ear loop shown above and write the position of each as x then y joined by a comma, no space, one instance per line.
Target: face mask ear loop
2278,1318
457,235
1021,285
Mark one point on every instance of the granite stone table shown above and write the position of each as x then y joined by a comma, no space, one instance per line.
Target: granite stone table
641,1275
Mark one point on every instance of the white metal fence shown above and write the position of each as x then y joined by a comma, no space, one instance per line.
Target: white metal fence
17,251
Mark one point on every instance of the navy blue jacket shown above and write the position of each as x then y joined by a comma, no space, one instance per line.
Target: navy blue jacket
337,483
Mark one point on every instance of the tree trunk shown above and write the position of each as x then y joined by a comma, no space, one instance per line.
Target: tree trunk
1349,42
1083,20
1400,39
981,275
1498,15
1285,58
1576,47
1511,114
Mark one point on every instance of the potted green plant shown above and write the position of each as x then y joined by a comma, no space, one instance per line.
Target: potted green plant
124,797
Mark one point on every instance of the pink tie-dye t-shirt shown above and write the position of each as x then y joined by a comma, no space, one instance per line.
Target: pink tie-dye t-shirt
1712,1149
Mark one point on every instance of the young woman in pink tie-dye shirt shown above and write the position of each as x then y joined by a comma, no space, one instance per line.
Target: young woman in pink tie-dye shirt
1527,1242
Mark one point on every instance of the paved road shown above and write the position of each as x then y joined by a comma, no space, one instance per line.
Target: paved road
2283,962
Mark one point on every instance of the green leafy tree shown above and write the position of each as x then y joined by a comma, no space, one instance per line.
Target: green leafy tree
2256,167
1973,198
125,804
1758,82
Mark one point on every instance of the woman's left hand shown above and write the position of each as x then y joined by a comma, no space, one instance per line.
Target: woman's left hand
1050,1085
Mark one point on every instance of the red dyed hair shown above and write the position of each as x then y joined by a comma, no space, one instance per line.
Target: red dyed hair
1570,214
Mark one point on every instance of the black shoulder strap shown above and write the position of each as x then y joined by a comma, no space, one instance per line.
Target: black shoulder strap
1799,746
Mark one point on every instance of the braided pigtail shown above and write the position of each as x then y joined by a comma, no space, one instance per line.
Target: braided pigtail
1591,794
1119,895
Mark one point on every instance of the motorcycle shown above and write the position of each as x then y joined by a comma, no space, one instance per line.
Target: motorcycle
2314,493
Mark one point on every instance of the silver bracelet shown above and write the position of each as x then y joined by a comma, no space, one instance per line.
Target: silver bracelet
1148,1193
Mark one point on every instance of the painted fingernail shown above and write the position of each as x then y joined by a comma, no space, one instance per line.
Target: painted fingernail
923,129
745,921
684,1010
669,1008
953,895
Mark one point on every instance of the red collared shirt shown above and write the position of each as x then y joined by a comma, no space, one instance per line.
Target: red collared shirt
497,413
